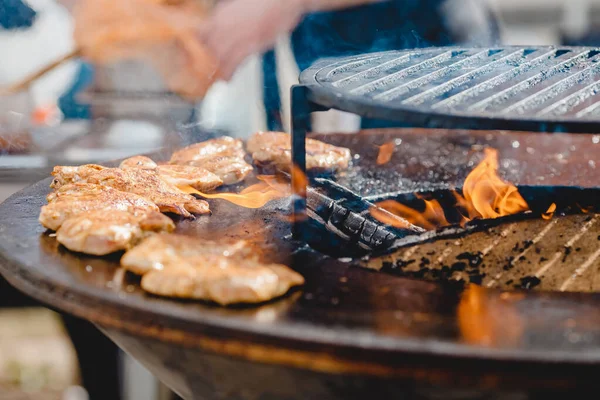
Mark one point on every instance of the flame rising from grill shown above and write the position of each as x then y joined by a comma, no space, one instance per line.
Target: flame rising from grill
401,216
550,212
386,151
255,196
485,195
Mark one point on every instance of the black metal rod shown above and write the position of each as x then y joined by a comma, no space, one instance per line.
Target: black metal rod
301,125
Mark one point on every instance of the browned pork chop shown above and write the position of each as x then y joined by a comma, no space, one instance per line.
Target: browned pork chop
80,198
223,156
182,267
101,232
273,149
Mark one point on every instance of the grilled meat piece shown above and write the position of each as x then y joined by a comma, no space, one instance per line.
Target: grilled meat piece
225,145
198,178
138,162
223,156
230,170
64,175
147,183
101,232
177,175
223,281
160,250
176,266
274,149
81,198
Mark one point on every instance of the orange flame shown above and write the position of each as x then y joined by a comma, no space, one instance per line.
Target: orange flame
584,209
299,181
254,196
488,194
400,216
550,212
258,195
485,195
385,153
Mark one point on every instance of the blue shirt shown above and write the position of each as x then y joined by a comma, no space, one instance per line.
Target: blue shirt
391,25
15,14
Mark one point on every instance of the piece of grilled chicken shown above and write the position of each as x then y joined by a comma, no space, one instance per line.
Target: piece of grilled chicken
177,175
274,149
103,232
80,198
174,249
66,174
223,156
138,162
141,181
181,267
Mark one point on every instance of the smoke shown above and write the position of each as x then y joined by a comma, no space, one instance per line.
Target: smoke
377,27
471,21
392,25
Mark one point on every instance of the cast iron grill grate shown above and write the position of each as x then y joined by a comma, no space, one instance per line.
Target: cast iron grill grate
528,88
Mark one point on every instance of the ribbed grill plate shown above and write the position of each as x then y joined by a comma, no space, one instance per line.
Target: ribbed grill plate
528,88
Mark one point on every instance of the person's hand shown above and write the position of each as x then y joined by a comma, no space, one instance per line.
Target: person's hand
238,28
161,32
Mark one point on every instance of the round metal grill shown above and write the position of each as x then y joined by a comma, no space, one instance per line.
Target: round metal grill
528,88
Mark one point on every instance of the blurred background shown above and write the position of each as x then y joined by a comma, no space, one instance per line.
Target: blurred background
80,114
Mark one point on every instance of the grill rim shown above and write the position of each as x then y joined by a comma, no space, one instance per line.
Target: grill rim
83,300
330,98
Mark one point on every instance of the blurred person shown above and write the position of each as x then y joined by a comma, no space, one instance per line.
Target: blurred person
193,44
333,28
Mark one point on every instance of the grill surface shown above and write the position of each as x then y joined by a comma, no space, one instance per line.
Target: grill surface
561,254
547,169
350,323
523,88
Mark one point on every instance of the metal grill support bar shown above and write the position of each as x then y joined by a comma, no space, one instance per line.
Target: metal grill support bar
301,125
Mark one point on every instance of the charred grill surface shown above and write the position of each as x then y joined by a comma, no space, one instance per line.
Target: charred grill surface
561,254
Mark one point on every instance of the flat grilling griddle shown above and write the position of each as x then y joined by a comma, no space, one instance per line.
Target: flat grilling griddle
350,332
